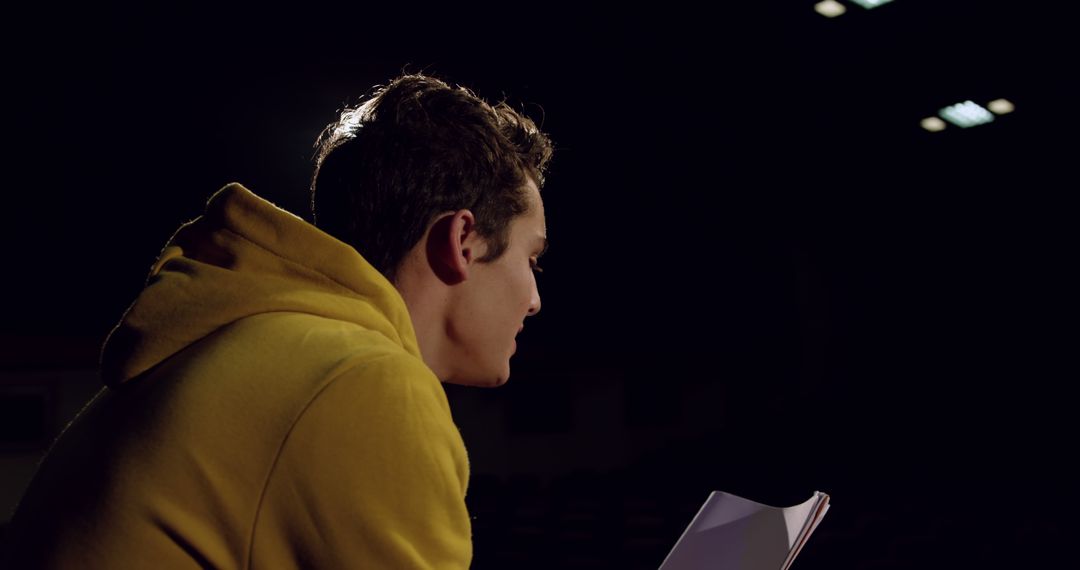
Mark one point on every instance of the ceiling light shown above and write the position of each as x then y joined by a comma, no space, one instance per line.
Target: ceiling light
966,114
1001,106
829,8
932,124
871,3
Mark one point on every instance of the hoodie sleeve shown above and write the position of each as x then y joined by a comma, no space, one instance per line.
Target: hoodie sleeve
372,475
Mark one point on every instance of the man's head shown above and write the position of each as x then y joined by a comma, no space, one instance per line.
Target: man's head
440,191
415,148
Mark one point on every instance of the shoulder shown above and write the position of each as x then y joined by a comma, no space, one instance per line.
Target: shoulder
387,411
372,473
359,367
388,380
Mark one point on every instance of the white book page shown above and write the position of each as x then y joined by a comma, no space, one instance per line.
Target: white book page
823,511
733,533
797,516
821,506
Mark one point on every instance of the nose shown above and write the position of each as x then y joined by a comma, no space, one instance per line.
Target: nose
534,301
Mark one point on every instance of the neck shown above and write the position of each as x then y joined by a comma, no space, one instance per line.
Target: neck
426,303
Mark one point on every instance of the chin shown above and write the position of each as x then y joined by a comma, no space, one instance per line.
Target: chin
493,381
496,378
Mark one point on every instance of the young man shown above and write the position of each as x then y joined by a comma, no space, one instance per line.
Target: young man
274,396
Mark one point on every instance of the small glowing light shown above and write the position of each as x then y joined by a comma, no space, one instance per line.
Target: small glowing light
932,124
1001,106
966,114
829,8
871,3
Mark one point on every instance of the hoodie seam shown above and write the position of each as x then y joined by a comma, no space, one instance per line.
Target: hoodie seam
281,447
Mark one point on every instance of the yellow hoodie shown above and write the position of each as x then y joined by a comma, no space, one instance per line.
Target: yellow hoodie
267,407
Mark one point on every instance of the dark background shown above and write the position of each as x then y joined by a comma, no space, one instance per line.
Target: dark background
742,206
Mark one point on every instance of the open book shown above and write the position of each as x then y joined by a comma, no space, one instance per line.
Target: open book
733,533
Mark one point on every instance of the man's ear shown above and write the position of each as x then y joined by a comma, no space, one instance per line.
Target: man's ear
453,245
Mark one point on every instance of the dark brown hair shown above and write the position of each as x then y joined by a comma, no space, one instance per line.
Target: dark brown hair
413,149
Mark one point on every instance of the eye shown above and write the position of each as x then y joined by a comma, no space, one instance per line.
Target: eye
535,267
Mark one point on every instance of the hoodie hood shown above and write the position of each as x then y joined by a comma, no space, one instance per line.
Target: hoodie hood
245,256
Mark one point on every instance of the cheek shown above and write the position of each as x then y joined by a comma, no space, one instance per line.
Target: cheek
525,288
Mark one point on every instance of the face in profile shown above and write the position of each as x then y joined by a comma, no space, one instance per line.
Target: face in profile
497,298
